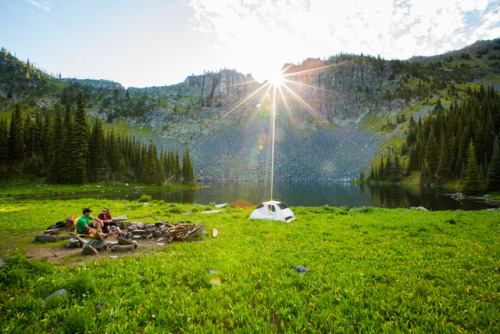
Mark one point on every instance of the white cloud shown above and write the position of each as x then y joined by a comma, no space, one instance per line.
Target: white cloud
280,31
45,5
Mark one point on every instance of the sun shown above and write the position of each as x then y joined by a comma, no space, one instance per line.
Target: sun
276,79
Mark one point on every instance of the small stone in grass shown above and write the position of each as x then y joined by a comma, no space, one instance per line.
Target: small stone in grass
301,270
60,292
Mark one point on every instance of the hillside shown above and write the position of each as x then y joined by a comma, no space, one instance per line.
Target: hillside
342,110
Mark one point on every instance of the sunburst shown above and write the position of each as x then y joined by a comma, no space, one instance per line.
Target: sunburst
276,90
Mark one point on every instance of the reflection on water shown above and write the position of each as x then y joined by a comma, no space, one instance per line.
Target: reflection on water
307,194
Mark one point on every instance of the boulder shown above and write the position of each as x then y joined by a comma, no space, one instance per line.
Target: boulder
73,243
98,245
157,234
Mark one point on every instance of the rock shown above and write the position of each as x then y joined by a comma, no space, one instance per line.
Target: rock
46,238
99,245
212,271
126,225
95,246
151,228
126,242
60,292
89,250
160,244
418,208
101,305
301,270
159,224
97,236
140,232
73,243
213,211
131,228
157,234
122,248
137,237
218,206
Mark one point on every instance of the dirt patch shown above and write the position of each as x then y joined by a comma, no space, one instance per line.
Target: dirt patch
61,254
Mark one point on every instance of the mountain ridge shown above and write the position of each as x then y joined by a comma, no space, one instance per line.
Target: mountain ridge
341,97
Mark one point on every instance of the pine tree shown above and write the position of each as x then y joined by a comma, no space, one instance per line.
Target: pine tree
80,143
15,140
53,149
65,158
470,184
97,153
493,178
443,170
396,170
431,154
4,146
151,168
425,175
187,168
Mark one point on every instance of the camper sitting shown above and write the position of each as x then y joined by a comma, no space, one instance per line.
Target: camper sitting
83,226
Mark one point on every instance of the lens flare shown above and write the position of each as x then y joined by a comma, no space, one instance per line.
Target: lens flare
276,79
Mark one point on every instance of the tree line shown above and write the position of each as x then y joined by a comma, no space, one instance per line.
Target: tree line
63,148
458,143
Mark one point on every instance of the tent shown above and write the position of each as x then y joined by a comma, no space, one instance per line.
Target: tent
273,210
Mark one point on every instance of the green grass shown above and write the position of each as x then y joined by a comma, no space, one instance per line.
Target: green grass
25,187
372,270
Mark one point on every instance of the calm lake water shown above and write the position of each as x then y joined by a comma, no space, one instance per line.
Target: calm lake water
307,194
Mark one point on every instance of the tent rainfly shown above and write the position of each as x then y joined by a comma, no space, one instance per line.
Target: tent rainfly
273,210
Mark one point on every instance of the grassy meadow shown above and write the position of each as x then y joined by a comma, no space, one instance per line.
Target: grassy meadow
371,270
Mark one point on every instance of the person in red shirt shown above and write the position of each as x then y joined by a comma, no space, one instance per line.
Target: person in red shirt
108,222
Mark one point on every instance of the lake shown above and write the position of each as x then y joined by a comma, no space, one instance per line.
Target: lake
307,194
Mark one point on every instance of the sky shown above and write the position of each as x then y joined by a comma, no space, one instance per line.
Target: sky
144,43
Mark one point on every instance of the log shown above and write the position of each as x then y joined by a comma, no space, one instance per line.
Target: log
89,250
54,230
46,238
214,233
122,248
119,218
76,236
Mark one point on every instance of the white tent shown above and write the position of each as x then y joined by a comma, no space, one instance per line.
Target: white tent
273,210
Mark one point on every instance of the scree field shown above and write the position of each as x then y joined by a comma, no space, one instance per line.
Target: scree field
371,270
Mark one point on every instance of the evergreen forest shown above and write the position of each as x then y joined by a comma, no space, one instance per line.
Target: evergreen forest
64,148
455,143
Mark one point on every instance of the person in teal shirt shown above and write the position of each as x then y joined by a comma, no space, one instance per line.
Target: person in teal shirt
83,227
